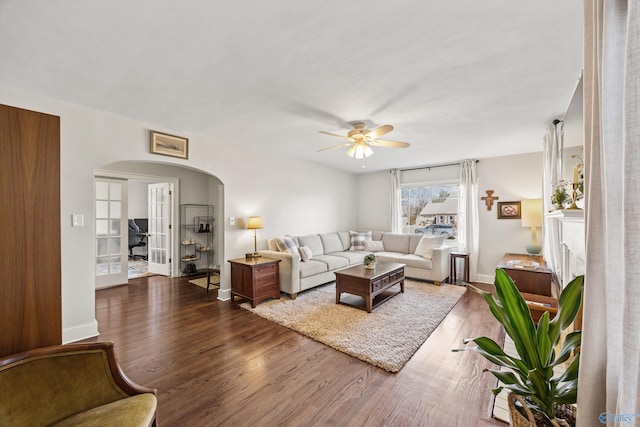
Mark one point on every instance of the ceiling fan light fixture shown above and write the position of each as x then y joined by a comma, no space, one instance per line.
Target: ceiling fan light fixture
359,151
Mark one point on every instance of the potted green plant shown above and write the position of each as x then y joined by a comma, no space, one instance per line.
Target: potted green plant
560,195
370,261
531,375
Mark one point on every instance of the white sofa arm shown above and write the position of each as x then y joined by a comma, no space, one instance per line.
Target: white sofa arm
440,263
289,269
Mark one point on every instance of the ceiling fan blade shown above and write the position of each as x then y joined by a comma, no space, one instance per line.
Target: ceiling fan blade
346,144
387,143
333,134
379,131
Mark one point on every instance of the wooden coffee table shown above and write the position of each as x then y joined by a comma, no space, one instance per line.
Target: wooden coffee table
372,285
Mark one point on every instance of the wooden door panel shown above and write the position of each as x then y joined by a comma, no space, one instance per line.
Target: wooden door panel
30,306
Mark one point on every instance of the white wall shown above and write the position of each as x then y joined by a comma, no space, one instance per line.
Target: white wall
512,178
291,196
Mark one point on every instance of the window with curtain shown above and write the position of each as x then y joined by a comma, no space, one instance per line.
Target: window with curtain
431,209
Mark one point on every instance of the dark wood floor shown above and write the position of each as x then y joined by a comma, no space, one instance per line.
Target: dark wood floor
214,363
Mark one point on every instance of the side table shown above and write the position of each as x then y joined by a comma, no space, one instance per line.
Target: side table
453,273
255,279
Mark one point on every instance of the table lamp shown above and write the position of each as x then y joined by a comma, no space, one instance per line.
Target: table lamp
532,217
254,223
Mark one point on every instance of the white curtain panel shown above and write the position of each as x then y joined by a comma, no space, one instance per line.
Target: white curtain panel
469,221
552,173
396,203
610,354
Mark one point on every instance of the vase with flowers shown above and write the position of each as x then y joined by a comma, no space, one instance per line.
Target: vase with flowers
560,195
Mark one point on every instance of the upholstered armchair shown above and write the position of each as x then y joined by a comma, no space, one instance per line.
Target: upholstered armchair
71,385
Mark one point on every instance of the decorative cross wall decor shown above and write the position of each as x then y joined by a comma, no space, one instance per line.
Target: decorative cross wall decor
489,199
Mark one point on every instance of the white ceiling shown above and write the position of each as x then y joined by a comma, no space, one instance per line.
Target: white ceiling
457,79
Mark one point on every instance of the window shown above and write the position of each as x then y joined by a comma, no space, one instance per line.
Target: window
430,209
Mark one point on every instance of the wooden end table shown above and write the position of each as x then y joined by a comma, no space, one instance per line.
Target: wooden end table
529,280
372,285
255,279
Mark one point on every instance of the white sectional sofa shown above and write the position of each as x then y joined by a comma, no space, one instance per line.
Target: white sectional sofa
334,251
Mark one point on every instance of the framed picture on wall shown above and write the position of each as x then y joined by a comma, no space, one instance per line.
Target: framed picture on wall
169,145
509,210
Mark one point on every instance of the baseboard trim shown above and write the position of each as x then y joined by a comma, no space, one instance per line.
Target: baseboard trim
483,278
80,332
224,294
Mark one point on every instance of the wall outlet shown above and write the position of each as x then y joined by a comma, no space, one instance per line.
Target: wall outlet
232,220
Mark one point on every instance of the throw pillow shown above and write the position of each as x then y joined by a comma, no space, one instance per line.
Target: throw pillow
427,245
278,244
305,253
358,239
373,246
290,245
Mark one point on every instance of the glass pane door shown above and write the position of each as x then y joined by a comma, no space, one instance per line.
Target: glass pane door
159,228
111,237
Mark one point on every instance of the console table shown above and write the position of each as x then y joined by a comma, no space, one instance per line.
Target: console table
527,279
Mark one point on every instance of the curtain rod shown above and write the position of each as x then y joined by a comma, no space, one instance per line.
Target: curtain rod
432,167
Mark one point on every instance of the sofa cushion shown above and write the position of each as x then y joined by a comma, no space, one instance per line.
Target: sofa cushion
389,256
345,239
136,410
358,239
289,245
305,253
396,242
414,239
331,243
311,268
333,262
354,257
373,246
313,242
427,245
415,261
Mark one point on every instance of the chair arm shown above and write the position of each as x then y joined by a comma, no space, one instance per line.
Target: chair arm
289,269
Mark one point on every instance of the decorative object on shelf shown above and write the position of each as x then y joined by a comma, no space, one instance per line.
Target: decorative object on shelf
370,261
531,376
574,196
531,216
169,145
254,223
489,199
509,210
560,195
578,173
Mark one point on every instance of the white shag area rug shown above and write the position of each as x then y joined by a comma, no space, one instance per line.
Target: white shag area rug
387,337
202,282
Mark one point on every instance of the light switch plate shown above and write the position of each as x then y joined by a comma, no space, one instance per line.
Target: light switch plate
232,220
77,220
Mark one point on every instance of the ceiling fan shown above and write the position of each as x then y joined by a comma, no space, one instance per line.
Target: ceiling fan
362,139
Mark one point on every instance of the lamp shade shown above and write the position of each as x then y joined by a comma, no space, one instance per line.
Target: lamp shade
254,223
531,213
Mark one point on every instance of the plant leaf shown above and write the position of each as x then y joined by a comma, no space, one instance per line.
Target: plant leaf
571,342
520,325
568,307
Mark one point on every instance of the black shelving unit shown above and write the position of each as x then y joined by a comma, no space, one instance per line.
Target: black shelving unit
196,238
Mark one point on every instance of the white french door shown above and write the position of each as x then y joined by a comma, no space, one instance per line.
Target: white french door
159,239
111,232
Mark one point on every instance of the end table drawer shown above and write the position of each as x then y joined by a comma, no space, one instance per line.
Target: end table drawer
267,289
265,278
